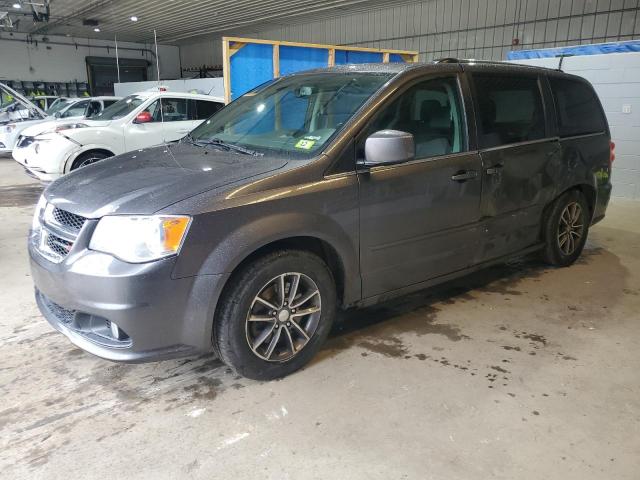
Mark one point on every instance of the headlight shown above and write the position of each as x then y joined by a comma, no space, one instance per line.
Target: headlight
35,223
139,239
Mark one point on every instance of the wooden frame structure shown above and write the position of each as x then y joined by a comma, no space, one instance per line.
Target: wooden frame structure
232,45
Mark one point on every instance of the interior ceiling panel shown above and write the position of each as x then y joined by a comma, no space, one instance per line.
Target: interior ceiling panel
174,21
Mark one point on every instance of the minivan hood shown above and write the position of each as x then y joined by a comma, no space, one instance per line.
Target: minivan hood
145,181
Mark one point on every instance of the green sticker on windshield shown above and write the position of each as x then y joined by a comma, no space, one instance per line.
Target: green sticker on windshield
305,144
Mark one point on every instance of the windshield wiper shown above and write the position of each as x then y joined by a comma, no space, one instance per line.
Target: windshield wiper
227,146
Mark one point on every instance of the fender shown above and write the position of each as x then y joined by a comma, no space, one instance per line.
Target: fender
233,234
82,149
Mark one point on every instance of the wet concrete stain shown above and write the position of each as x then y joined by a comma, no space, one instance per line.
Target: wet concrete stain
20,195
100,388
391,347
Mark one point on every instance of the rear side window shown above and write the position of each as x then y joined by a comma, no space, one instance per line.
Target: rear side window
174,109
578,108
509,110
204,109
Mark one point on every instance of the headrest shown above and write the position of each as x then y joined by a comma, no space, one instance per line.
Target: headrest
435,115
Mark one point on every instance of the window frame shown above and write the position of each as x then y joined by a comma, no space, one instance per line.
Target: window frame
556,108
461,84
547,106
186,100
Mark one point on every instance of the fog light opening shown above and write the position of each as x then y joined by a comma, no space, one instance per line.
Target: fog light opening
117,333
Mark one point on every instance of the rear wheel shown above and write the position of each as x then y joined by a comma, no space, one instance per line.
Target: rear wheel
88,158
275,314
566,228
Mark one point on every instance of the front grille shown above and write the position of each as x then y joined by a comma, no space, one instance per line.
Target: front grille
62,314
58,245
59,230
67,219
92,327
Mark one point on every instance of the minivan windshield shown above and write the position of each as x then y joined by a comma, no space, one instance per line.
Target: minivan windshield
120,109
294,116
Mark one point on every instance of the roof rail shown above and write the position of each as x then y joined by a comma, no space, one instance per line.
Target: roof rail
490,62
446,60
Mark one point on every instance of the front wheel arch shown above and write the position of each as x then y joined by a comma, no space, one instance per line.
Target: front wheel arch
71,161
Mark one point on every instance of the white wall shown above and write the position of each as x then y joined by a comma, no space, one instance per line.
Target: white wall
616,78
202,52
65,63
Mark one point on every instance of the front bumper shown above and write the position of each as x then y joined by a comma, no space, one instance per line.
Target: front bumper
45,160
157,316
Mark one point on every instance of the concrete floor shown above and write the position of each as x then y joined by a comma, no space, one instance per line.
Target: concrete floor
516,372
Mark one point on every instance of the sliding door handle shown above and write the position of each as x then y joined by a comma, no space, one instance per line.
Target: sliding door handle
494,170
464,175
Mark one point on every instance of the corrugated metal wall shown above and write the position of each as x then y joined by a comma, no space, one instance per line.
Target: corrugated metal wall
482,29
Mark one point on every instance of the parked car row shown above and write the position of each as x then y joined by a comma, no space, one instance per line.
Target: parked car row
321,190
48,150
19,113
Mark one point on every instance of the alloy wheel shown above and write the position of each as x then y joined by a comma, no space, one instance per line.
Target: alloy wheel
571,228
89,161
283,317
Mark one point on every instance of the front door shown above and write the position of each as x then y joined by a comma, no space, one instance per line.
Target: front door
419,219
144,135
519,160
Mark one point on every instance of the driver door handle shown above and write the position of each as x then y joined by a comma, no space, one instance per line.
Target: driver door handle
464,176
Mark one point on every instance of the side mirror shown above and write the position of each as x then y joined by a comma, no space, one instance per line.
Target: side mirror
143,117
387,147
57,114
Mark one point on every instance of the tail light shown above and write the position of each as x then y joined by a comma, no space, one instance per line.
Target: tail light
612,153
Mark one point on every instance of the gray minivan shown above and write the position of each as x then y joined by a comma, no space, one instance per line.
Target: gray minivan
326,189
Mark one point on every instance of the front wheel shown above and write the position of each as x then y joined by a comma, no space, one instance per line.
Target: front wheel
88,158
566,228
275,314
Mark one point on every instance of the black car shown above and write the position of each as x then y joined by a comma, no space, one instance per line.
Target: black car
321,190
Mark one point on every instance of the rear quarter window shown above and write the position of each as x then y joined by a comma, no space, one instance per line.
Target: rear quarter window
577,108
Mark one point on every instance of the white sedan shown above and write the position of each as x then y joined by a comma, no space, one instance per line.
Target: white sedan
138,121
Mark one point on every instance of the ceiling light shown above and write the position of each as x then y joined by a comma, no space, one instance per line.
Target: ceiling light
17,5
134,19
96,29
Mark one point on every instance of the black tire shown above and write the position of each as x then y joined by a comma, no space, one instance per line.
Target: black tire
557,251
232,330
88,158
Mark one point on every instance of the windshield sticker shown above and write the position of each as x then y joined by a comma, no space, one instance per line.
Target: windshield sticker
312,137
305,144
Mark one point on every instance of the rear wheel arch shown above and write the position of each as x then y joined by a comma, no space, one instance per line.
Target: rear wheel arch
587,190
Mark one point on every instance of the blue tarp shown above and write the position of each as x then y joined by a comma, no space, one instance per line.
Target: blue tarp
250,66
295,59
595,49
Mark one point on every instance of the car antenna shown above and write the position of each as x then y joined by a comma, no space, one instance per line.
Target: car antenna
562,57
117,59
155,41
